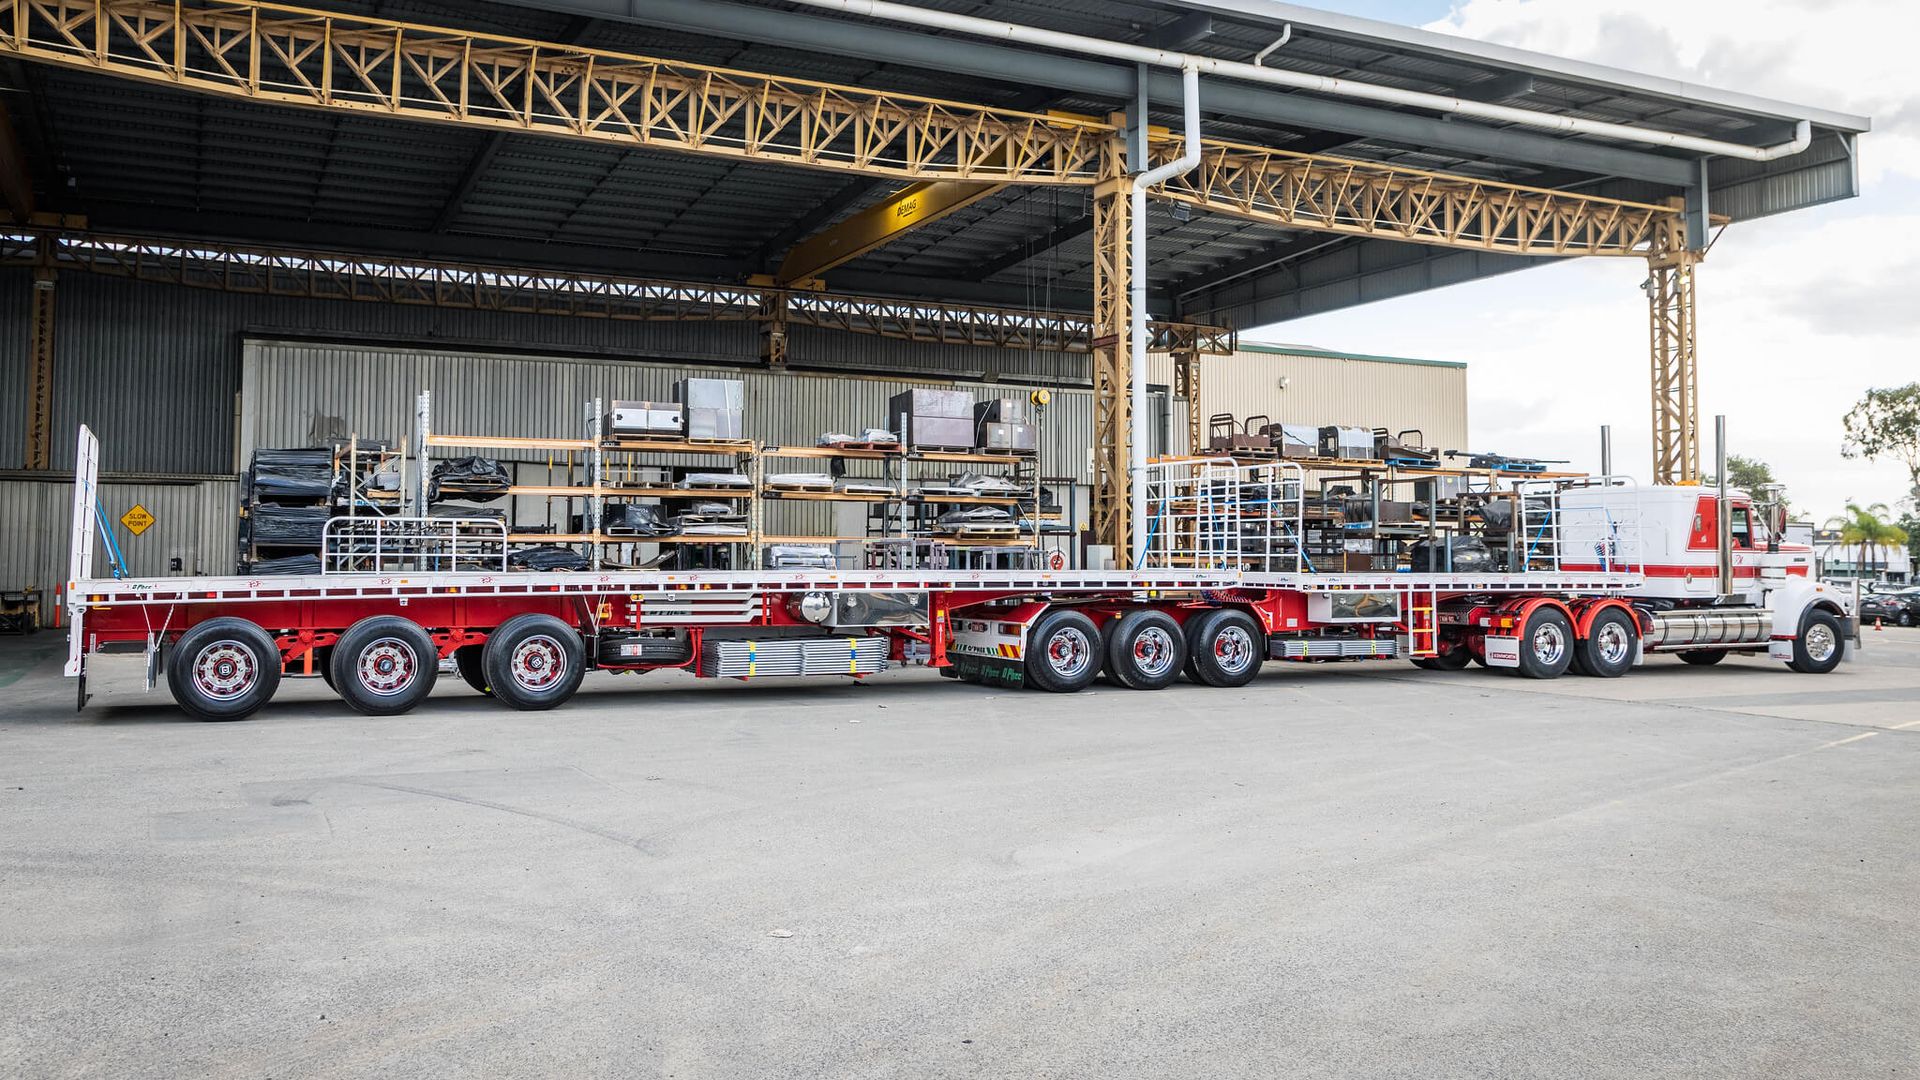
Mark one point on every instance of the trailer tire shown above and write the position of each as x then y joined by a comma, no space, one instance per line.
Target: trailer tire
384,665
1225,648
1546,645
1820,645
471,662
1063,652
1608,649
534,662
1145,650
323,662
1702,657
223,669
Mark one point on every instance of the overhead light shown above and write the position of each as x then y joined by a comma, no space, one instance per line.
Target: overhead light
1182,212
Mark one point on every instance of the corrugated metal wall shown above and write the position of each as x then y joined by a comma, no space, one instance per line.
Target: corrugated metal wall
195,522
372,389
155,368
16,306
1327,389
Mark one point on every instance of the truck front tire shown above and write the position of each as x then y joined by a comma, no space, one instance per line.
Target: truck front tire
223,669
1820,645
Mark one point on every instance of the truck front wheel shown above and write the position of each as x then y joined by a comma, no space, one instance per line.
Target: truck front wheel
1819,647
223,669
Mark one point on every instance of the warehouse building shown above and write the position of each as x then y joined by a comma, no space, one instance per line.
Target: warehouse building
624,192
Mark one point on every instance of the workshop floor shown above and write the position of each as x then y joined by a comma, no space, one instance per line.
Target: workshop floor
1359,870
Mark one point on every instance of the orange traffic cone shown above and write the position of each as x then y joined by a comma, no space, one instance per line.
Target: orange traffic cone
1876,622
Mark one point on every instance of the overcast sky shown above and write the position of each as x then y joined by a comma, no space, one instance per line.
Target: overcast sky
1799,314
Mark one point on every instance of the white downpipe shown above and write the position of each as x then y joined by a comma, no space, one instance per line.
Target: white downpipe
1319,84
1137,427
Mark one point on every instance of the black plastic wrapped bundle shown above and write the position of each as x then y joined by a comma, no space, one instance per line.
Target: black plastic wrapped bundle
1470,556
291,564
294,473
272,524
547,557
481,479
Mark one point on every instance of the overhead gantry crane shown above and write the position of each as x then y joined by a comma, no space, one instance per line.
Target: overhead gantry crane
279,55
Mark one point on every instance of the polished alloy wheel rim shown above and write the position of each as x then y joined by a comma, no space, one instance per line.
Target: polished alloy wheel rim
1548,643
1233,649
388,666
1153,651
1820,643
1614,643
538,662
1069,652
224,670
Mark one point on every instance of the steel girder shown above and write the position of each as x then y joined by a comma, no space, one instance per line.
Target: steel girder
1673,347
291,56
1112,313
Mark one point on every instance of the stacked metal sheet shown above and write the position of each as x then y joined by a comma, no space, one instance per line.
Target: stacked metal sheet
746,659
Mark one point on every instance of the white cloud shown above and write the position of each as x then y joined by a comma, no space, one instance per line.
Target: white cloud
1798,314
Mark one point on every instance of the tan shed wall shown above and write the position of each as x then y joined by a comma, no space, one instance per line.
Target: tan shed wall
1322,390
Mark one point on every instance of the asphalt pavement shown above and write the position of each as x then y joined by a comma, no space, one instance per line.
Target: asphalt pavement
1357,870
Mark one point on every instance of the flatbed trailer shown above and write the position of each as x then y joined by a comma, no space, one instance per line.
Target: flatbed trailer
527,639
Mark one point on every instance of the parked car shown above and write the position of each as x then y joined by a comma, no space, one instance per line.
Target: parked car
1901,608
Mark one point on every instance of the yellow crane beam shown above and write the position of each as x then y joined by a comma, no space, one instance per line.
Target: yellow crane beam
910,208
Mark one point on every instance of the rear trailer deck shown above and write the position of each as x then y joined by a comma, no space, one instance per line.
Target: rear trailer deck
1228,584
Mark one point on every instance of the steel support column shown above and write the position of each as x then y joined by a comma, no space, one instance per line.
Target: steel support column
39,448
1673,341
1186,384
1112,324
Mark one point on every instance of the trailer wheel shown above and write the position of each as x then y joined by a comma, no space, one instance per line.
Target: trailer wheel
1819,647
384,665
1145,650
1224,648
1702,657
1546,645
534,662
1607,650
323,663
223,669
471,661
1063,652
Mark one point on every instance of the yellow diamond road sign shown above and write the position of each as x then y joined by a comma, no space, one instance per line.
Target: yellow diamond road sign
137,520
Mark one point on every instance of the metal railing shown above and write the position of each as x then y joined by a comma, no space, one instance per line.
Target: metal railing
1214,514
1586,523
359,545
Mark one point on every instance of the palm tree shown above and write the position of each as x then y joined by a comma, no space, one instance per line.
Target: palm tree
1869,528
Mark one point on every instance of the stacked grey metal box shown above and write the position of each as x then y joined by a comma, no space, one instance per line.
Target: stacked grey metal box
1005,424
941,419
715,407
1351,443
638,419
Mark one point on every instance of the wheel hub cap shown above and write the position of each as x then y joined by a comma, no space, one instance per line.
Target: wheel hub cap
1068,652
1820,643
1233,649
538,663
387,667
224,669
1153,651
1548,644
1614,643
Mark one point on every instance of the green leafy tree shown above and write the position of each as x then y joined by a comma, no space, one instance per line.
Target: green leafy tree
1749,475
1886,424
1866,527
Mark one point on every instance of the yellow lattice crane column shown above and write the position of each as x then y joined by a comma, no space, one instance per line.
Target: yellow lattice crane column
1111,331
1674,343
1186,384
